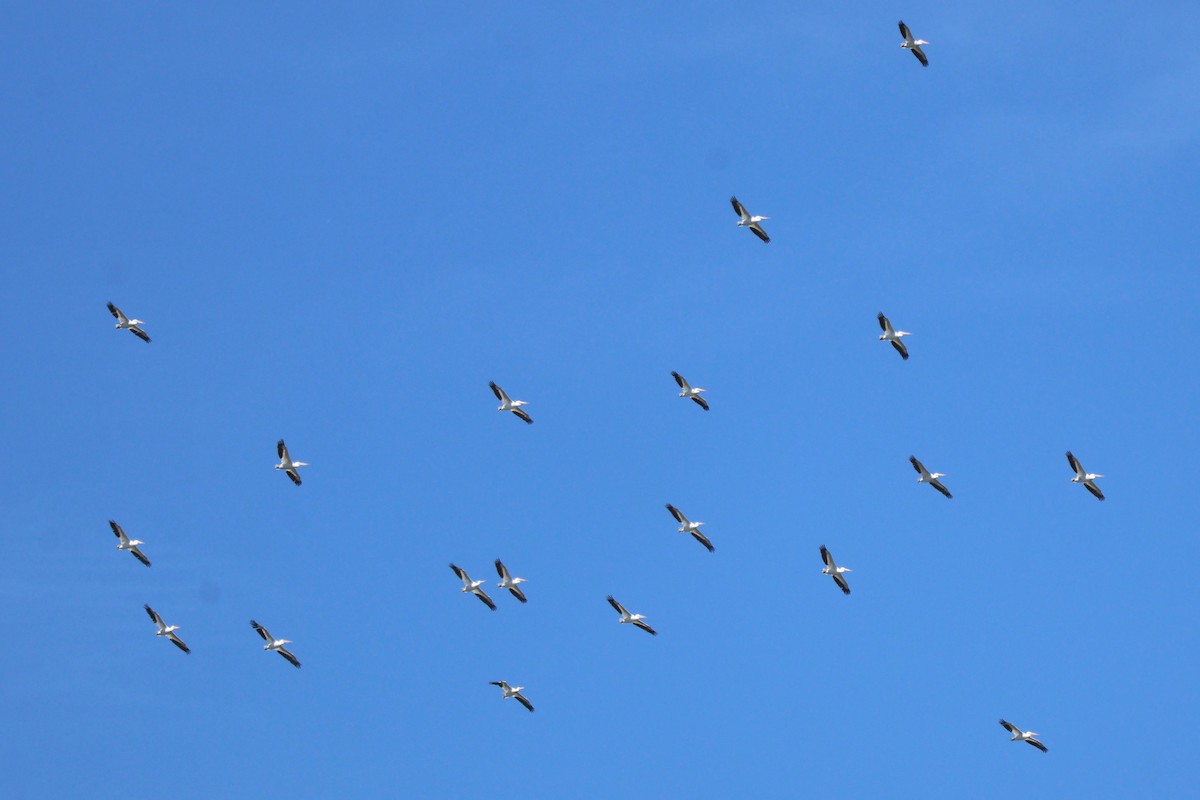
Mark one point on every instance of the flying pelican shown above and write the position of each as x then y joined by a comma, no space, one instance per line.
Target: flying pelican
913,44
929,477
166,630
1084,477
126,543
637,620
892,335
688,391
831,568
748,221
292,468
514,692
508,404
507,581
275,644
1019,735
687,526
125,323
474,587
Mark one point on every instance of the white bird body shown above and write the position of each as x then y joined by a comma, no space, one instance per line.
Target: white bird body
508,404
1085,477
287,465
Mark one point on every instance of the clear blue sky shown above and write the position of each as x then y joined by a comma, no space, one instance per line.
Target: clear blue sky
340,224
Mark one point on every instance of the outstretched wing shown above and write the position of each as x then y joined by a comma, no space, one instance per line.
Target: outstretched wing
521,699
261,631
1008,726
900,348
917,465
1074,462
483,597
683,384
639,623
702,539
841,582
118,530
175,640
116,312
282,450
700,401
1094,489
461,573
294,475
738,208
1037,744
884,324
826,556
935,483
283,651
520,412
759,232
620,608
677,514
496,390
141,334
920,54
154,616
142,558
502,570
904,31
517,593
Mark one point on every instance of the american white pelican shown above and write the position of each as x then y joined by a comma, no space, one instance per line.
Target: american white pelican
125,323
637,620
507,581
831,568
513,692
892,335
1019,735
929,477
747,221
275,644
508,404
166,630
1085,477
287,465
687,526
474,587
912,44
125,543
686,390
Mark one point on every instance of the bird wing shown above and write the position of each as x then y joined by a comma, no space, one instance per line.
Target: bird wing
840,580
759,232
917,465
521,699
639,623
116,312
1074,462
496,390
501,684
294,475
677,514
483,596
904,31
175,640
700,401
827,557
1008,726
738,208
461,573
900,348
884,324
1094,489
1037,744
261,631
119,531
141,334
620,608
502,570
920,54
142,558
282,450
683,384
520,412
702,539
935,483
283,651
517,593
154,616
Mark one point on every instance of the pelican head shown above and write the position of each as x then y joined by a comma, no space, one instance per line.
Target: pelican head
938,475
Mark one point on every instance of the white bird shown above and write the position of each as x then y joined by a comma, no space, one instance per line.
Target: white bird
929,477
507,581
275,644
892,335
287,465
125,543
166,630
912,44
125,323
637,620
474,587
1019,735
747,221
508,404
831,568
513,692
687,526
1085,477
689,391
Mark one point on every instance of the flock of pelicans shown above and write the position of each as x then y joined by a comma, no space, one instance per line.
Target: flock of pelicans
507,582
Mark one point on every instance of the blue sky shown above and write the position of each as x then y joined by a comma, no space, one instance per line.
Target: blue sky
340,224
